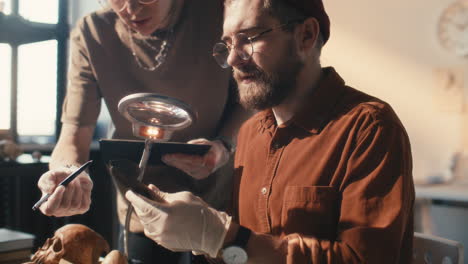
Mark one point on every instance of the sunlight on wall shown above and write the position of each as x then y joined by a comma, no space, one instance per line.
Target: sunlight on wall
384,51
408,87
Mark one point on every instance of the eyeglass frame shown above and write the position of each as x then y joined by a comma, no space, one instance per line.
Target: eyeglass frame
126,2
251,40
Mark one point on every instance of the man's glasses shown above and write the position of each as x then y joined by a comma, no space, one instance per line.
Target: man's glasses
242,45
120,5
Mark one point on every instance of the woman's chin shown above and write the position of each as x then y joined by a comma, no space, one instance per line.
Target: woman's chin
143,29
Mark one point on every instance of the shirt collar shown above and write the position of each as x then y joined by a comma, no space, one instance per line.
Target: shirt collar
266,120
317,109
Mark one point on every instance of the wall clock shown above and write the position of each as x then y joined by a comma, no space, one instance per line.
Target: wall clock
453,28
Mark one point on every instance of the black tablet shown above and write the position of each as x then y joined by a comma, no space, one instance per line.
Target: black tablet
122,157
116,149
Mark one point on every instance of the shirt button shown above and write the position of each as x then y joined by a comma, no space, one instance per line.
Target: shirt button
264,190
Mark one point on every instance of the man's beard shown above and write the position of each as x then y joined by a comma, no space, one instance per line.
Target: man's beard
269,89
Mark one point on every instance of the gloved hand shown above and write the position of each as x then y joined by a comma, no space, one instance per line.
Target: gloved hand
181,221
200,167
73,199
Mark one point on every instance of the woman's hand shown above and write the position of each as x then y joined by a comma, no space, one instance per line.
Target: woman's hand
200,167
73,199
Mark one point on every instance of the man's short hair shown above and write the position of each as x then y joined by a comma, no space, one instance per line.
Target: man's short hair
285,13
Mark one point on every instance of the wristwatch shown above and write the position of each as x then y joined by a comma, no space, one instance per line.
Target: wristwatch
235,252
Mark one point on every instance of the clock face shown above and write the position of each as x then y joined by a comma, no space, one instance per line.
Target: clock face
453,28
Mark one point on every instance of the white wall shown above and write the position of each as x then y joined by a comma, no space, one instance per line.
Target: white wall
389,49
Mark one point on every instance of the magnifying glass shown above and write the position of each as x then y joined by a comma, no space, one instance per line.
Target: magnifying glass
154,118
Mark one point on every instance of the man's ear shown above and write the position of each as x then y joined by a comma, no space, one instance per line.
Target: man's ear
307,34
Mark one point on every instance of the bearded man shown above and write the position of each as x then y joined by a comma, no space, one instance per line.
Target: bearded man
323,171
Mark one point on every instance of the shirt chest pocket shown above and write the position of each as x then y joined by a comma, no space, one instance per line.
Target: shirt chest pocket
310,210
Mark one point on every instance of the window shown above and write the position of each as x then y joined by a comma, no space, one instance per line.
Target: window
5,5
33,37
37,92
5,73
44,11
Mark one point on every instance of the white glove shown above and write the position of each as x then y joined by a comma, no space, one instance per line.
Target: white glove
73,199
200,167
183,222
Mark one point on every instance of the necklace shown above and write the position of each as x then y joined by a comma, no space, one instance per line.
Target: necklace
162,49
166,38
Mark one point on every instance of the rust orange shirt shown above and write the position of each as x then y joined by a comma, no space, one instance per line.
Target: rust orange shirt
335,180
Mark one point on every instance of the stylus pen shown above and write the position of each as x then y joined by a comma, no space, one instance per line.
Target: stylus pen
65,182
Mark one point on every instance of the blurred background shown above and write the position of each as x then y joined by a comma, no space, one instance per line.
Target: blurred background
411,54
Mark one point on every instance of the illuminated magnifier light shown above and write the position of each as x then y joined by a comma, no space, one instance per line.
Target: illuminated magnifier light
155,117
152,133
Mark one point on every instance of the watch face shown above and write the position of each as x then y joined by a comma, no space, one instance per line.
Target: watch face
453,28
234,255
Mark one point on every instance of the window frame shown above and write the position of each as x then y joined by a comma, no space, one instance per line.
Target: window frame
16,31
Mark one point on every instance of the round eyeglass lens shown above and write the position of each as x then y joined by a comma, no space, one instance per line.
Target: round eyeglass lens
243,48
221,53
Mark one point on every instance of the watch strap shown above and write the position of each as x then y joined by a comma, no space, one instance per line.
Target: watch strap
242,237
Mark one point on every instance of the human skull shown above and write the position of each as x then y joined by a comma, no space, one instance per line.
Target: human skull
74,243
